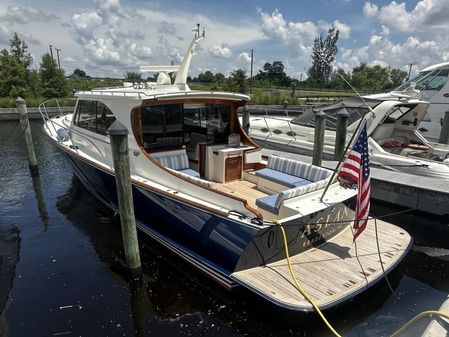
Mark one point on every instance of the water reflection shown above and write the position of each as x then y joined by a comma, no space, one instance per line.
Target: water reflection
170,298
43,213
79,261
9,256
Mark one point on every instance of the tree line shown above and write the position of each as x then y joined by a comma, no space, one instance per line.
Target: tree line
17,78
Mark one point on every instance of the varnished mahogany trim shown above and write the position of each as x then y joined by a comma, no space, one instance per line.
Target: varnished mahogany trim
135,121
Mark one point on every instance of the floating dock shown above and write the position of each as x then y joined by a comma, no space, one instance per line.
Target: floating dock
426,194
333,272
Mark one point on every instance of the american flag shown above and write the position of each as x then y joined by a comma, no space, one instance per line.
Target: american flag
355,173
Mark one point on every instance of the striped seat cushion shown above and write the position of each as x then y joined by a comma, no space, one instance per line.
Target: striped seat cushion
190,172
294,192
268,203
298,169
282,178
194,179
176,160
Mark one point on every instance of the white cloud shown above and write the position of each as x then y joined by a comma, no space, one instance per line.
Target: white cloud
427,13
298,36
220,51
244,58
381,50
370,10
25,15
344,29
85,24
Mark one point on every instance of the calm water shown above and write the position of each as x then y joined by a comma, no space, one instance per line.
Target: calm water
60,274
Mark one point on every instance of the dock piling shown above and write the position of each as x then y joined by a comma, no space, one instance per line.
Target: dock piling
340,136
23,116
318,143
120,154
444,135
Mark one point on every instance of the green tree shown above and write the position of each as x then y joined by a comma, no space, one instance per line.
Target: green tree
133,76
374,78
206,77
273,74
338,79
219,78
16,77
397,76
53,80
236,82
79,73
323,54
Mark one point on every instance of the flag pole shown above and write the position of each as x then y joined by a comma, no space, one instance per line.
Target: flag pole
342,157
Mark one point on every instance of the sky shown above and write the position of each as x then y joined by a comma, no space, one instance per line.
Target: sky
112,37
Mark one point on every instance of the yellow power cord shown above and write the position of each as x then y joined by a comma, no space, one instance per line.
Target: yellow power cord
331,328
417,317
298,285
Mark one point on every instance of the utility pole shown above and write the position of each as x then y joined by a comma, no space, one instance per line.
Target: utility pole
251,86
411,64
57,53
51,52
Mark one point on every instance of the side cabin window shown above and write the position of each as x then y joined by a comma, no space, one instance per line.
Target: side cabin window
93,116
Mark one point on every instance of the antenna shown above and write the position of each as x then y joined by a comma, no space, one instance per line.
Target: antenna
197,30
411,64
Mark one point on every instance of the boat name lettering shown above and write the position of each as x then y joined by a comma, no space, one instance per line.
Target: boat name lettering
321,223
324,235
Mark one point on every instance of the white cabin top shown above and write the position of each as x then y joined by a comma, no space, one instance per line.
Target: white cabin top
438,66
163,88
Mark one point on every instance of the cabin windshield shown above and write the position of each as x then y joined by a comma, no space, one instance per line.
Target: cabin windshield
428,80
93,116
397,113
175,125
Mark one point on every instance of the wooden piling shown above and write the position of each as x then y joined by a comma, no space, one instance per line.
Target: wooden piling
23,115
444,135
340,136
245,118
318,143
120,154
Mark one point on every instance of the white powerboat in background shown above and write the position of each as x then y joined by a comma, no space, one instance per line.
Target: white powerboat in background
430,84
394,142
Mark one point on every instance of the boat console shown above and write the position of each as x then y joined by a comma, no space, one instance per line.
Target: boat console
224,163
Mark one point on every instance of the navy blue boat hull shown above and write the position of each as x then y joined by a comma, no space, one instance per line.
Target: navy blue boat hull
214,244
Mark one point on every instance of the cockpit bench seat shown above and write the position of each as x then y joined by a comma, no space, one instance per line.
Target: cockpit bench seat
282,178
189,172
176,160
302,178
